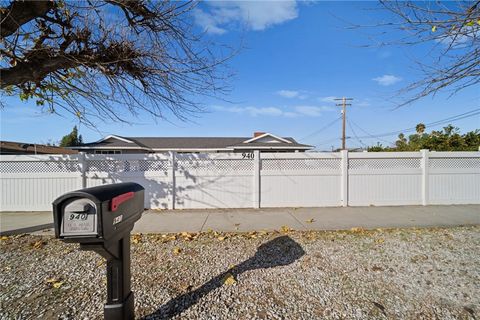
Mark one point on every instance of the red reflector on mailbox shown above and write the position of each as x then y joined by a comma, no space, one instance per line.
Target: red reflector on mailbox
118,200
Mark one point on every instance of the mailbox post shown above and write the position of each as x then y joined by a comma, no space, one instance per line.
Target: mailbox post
101,220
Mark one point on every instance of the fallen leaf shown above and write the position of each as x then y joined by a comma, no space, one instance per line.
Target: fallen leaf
434,28
252,235
136,238
229,280
310,220
221,238
419,257
357,230
38,244
54,282
377,268
177,250
4,238
379,240
285,229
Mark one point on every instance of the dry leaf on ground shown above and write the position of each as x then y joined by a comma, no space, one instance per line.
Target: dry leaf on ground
357,230
38,244
54,283
136,238
229,280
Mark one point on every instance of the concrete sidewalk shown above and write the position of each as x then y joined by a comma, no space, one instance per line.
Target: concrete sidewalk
335,218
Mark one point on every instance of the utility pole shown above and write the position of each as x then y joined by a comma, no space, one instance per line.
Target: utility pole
344,105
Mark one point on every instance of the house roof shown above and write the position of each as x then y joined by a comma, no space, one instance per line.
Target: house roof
11,147
190,143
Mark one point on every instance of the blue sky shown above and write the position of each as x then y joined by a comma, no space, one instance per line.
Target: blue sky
298,56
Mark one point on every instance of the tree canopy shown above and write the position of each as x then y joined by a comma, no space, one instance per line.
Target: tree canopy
446,139
108,59
72,139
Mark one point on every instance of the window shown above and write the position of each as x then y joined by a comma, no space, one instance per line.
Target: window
108,151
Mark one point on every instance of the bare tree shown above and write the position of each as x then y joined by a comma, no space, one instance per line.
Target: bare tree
108,59
452,28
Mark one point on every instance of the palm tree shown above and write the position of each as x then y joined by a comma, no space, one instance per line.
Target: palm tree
420,128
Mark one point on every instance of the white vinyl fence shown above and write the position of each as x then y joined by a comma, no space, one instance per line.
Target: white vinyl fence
31,183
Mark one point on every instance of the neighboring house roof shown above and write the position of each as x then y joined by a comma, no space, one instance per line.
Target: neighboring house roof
264,141
11,147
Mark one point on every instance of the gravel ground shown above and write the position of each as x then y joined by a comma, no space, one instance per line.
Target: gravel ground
401,273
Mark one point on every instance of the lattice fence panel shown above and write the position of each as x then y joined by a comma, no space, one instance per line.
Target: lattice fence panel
106,166
384,164
153,165
300,164
454,163
221,165
38,166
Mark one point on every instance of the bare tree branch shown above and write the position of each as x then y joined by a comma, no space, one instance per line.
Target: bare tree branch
110,59
451,29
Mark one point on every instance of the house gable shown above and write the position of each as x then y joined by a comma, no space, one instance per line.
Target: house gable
112,136
267,138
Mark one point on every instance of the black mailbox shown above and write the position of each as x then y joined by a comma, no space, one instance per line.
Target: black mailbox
101,219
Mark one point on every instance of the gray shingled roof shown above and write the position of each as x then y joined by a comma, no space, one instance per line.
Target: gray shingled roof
191,143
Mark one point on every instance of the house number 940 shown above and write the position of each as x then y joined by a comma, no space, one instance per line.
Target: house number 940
248,155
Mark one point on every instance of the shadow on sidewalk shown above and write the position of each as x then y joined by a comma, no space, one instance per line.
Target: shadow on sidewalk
280,251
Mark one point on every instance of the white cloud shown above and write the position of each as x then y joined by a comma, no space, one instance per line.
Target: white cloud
207,22
363,103
256,15
387,80
288,93
328,99
292,94
257,111
296,111
312,111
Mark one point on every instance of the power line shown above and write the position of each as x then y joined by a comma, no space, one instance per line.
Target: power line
457,117
461,116
321,129
370,135
355,134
